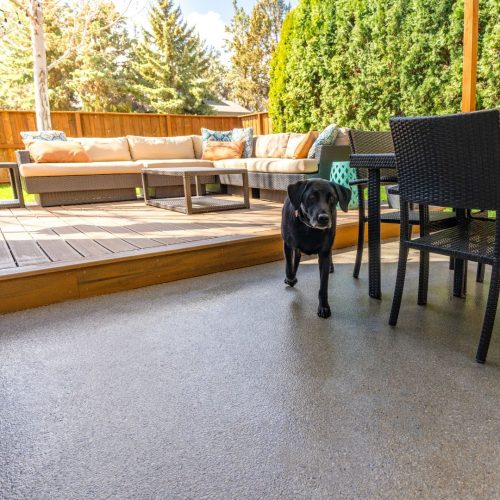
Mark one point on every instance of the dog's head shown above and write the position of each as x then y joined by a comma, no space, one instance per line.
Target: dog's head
316,200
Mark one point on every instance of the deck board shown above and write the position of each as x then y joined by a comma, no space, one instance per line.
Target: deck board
22,244
6,259
52,254
38,236
34,235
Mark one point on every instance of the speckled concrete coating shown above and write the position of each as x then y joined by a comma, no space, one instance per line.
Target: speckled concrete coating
230,387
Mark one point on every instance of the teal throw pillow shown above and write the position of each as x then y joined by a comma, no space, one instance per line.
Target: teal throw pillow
327,136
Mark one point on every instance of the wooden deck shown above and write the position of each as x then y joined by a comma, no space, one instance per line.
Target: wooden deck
52,254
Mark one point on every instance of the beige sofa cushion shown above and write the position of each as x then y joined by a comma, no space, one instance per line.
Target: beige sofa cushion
271,165
271,145
94,168
161,148
197,146
342,138
105,149
293,143
176,163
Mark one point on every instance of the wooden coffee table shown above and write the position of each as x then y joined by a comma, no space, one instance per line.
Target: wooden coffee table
195,204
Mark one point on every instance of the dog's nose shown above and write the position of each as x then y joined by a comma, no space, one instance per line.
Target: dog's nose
323,218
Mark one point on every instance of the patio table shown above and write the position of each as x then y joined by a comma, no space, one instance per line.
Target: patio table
374,163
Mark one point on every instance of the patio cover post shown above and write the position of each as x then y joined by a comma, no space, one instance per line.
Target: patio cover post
471,29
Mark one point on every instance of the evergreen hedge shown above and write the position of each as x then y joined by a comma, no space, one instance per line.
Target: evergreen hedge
358,62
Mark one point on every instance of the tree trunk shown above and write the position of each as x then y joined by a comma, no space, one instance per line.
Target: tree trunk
42,106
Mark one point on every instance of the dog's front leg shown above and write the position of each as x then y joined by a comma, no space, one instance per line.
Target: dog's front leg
325,259
292,259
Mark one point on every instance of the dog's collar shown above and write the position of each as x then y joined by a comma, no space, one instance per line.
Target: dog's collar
299,214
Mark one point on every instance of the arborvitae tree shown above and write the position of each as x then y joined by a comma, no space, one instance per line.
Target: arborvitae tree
171,64
253,40
358,63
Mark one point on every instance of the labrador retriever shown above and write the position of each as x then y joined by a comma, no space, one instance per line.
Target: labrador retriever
308,226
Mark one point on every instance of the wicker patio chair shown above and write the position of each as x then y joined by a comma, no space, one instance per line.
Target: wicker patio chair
369,142
454,161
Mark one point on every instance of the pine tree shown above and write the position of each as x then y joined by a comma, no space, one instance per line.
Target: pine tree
102,79
86,66
171,64
253,40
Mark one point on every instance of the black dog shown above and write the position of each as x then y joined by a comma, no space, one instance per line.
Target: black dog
308,226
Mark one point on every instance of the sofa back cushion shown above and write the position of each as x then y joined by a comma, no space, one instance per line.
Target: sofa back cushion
271,145
222,150
105,148
197,146
161,148
57,152
299,145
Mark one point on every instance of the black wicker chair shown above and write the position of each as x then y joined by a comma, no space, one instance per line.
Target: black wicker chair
454,161
368,142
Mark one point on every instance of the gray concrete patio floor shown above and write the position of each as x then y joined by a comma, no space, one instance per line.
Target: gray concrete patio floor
229,386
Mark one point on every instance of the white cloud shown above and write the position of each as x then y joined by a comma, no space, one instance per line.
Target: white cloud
210,27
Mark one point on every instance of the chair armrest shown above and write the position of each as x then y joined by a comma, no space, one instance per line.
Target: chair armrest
373,161
23,156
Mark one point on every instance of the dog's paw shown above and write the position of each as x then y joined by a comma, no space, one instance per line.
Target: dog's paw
291,282
324,311
332,268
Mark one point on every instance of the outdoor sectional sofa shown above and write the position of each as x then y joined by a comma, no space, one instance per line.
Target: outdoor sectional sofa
113,174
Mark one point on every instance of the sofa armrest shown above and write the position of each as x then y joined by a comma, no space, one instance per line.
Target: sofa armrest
327,156
23,156
325,153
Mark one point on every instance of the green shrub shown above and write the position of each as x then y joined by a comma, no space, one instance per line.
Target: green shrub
358,62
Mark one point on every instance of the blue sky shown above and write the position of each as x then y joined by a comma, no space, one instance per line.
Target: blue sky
209,18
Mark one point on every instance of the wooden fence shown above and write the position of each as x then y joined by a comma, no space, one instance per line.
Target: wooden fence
84,124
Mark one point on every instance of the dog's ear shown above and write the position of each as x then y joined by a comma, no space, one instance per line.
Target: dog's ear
343,195
295,192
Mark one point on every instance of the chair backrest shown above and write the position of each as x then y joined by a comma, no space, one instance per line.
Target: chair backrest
368,142
450,160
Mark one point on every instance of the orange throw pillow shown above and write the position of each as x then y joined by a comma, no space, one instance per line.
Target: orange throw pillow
57,152
220,150
302,150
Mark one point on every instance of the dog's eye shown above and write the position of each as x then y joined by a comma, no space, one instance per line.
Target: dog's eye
312,197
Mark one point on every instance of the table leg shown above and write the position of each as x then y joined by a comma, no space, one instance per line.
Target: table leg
374,279
246,190
19,188
460,268
145,187
15,183
198,185
187,193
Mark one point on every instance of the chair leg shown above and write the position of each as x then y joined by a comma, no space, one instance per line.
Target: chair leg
460,278
400,283
489,316
423,275
480,272
361,232
423,279
452,264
